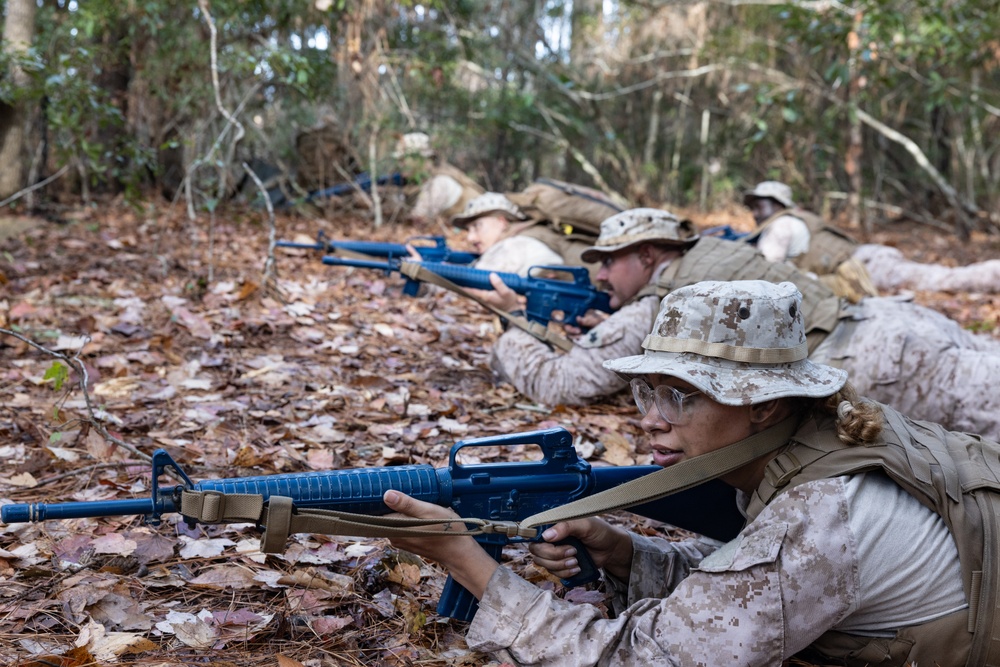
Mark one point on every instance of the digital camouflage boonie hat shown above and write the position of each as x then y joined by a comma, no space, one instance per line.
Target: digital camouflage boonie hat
489,203
779,192
413,144
640,225
740,342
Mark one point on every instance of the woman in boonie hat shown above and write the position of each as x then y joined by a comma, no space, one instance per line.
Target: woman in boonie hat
838,557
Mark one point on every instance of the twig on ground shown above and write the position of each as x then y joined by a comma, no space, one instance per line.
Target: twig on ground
86,469
81,371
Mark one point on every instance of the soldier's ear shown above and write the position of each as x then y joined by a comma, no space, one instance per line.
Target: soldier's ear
647,254
760,413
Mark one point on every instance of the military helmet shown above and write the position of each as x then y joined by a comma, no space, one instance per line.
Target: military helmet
779,192
740,342
640,225
489,203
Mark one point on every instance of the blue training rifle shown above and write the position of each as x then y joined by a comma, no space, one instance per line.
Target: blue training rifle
544,296
499,491
430,248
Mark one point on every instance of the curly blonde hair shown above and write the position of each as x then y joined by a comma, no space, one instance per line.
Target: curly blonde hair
859,420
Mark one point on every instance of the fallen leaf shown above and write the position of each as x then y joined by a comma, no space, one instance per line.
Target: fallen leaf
70,343
234,577
121,387
114,543
325,625
618,450
204,548
24,480
247,289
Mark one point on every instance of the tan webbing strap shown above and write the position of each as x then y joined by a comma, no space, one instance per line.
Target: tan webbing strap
216,507
985,611
679,477
752,355
417,271
279,524
281,520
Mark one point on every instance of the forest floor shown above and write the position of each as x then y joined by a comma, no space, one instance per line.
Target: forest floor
329,368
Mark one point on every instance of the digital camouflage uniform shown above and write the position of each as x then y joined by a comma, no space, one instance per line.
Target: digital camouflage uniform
798,571
899,353
517,254
780,239
526,243
891,271
553,377
446,190
744,604
920,362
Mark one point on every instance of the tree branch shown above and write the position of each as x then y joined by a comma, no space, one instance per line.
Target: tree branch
81,371
17,195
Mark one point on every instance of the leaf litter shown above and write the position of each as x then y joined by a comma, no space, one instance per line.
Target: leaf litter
342,371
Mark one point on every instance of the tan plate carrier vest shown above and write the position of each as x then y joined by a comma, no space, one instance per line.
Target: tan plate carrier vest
830,256
714,259
568,246
955,474
828,246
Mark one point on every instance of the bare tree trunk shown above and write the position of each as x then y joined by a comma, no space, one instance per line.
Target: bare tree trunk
852,161
114,77
587,25
18,31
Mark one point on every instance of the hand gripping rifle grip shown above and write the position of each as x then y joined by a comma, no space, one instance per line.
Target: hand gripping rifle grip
588,570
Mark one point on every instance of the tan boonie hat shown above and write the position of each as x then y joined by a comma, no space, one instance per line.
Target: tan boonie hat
779,192
413,143
740,342
489,203
640,225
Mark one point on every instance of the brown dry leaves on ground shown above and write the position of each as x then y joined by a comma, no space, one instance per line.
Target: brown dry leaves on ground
233,380
335,369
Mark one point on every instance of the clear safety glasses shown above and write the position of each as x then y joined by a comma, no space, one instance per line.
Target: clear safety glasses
669,401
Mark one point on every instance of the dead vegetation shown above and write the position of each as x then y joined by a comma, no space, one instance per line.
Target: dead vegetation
341,371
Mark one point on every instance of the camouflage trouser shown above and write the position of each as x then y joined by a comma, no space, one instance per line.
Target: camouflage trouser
919,362
891,271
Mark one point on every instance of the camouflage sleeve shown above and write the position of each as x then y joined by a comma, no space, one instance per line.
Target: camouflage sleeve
891,271
575,377
787,578
658,567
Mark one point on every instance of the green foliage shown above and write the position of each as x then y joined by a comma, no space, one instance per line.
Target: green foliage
499,91
56,374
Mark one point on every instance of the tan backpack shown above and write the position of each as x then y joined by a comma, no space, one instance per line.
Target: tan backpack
571,209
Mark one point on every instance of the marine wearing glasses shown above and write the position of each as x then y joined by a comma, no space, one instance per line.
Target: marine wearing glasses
669,401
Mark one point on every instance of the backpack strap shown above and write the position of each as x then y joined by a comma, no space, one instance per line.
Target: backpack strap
984,602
